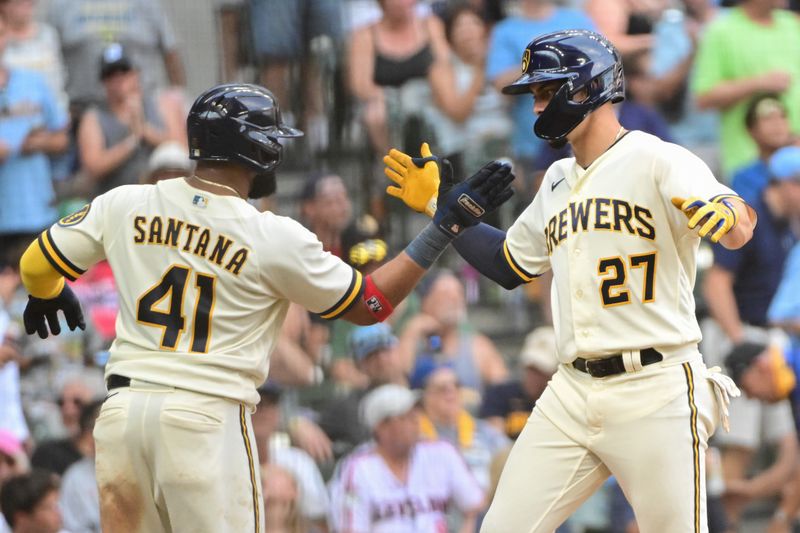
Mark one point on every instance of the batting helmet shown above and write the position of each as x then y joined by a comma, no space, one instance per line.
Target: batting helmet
583,60
242,123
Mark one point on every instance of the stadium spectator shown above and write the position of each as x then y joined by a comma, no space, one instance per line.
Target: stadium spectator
116,137
400,484
740,56
85,27
12,418
508,37
638,111
469,122
627,23
282,500
326,209
373,348
767,123
755,424
282,33
33,45
441,333
32,126
741,284
508,405
80,504
13,462
675,37
56,455
169,160
399,48
443,417
29,503
273,448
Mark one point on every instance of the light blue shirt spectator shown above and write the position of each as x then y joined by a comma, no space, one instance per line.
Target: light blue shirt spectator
508,41
672,45
785,305
26,188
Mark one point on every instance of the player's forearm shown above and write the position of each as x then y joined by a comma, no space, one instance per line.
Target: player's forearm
718,292
742,231
38,275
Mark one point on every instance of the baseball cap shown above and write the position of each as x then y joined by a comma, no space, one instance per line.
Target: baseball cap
539,350
366,340
785,164
170,155
113,60
423,369
385,402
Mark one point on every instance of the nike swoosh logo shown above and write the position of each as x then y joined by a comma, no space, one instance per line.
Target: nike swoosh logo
554,185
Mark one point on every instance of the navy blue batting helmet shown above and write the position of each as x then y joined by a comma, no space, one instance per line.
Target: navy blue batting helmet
241,123
583,60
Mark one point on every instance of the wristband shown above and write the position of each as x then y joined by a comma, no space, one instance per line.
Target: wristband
377,304
426,247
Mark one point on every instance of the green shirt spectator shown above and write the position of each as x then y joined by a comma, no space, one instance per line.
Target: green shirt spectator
743,53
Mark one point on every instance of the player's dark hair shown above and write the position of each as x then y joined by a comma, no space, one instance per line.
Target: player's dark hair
89,413
751,112
24,492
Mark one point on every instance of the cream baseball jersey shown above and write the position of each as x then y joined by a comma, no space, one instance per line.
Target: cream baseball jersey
623,258
204,282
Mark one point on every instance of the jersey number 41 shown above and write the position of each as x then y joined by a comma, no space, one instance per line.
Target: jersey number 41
173,322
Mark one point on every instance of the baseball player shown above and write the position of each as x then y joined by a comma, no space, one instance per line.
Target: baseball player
204,284
631,396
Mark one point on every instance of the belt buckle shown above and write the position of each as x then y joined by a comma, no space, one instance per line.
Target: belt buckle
591,365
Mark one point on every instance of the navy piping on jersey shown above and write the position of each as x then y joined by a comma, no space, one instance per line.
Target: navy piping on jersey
351,296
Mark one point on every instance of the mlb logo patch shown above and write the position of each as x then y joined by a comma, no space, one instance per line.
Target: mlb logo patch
200,201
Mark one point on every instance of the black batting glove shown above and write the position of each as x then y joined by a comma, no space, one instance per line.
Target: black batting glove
464,204
41,313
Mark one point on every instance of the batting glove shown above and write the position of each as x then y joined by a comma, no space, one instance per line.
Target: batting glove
40,310
466,203
717,217
417,178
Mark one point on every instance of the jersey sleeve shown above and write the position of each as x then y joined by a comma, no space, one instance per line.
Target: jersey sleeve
75,243
684,175
466,492
302,272
525,248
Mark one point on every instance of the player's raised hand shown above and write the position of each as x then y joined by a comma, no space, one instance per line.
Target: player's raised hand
714,218
41,313
466,203
417,178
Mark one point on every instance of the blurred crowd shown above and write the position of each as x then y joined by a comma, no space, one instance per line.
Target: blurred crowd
93,95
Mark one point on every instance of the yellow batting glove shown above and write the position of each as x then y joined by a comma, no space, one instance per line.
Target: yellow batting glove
417,179
717,217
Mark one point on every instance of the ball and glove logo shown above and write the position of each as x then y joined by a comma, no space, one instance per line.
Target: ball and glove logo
76,217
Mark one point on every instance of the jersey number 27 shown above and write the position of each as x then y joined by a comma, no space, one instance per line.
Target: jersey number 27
173,322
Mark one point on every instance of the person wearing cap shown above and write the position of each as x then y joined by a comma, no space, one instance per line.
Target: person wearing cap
33,126
117,137
402,484
761,421
444,417
508,405
372,350
767,123
169,160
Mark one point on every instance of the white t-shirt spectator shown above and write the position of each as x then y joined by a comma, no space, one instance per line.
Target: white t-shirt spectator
313,495
373,500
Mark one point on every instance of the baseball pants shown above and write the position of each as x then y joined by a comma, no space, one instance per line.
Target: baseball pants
649,429
171,460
